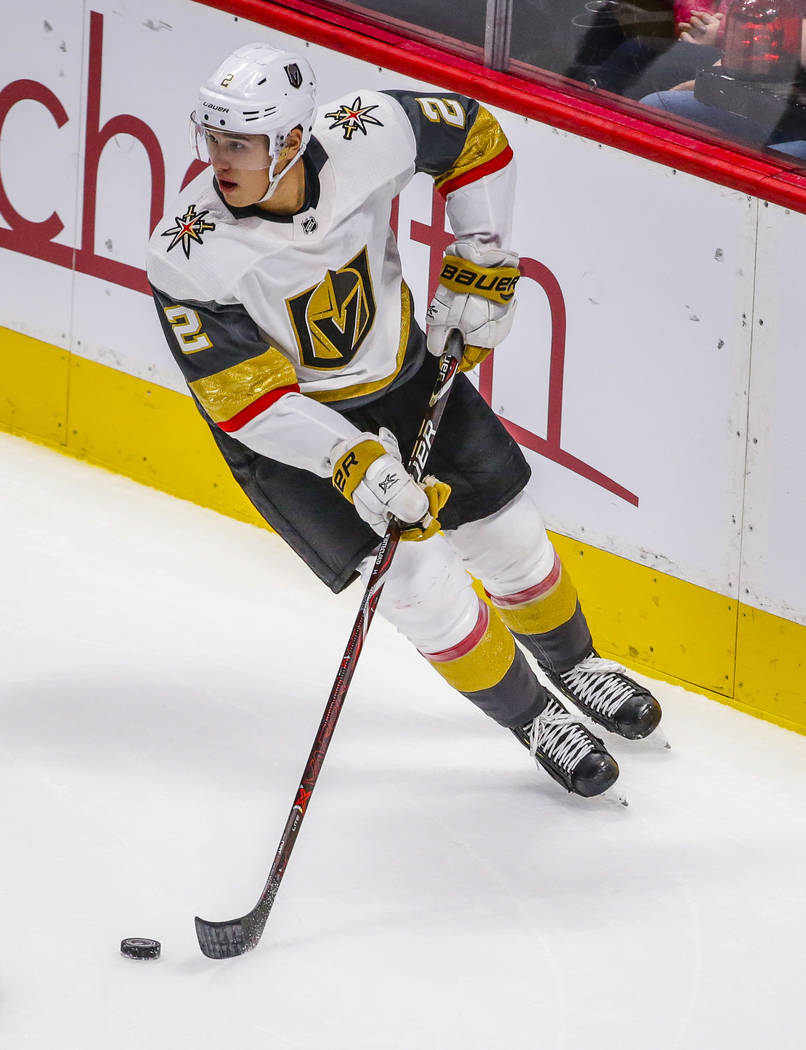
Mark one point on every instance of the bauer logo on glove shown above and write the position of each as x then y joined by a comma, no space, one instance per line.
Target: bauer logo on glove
476,294
492,282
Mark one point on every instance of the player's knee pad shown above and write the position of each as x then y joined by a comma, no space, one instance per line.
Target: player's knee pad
532,593
427,595
508,551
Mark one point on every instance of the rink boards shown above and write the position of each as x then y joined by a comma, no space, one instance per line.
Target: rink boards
653,376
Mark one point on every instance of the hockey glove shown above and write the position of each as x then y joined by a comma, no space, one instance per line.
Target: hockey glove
370,474
476,295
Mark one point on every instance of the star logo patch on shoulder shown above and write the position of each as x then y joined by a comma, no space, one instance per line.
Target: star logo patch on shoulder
188,228
353,118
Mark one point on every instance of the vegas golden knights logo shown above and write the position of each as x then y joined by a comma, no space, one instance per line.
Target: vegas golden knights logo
332,319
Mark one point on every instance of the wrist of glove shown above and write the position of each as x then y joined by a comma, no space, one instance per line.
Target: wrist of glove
476,295
369,473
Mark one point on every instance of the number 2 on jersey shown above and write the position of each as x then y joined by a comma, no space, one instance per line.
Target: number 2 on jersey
445,110
187,328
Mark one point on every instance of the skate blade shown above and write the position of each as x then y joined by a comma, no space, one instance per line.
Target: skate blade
656,741
614,797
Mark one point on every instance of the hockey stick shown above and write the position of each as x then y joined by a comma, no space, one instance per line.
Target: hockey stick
224,940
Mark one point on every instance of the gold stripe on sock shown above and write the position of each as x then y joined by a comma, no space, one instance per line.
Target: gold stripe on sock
483,661
546,613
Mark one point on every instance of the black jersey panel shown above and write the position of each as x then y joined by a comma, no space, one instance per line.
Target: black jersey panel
473,451
206,338
441,124
306,511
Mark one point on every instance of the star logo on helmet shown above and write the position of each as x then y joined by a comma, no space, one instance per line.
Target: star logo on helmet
353,118
188,229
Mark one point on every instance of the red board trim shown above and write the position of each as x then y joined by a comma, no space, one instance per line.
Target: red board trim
567,108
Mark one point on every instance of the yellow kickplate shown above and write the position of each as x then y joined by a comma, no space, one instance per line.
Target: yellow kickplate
771,668
34,387
647,618
151,434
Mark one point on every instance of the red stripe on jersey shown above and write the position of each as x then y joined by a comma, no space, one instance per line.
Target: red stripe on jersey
468,643
246,415
530,594
487,168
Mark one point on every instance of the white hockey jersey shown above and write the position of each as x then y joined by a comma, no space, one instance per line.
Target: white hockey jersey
277,320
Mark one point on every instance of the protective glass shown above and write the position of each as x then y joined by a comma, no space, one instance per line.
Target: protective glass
239,152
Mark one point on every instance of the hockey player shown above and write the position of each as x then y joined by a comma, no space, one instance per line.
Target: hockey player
278,284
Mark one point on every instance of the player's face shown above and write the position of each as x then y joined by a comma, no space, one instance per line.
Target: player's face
241,164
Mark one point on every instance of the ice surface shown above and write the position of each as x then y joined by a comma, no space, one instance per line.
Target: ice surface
163,671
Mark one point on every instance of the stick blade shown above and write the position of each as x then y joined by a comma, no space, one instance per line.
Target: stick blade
226,940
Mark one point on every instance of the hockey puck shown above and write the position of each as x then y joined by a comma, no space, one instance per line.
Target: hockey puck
140,948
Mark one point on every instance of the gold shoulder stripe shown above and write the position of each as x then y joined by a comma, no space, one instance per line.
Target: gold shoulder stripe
225,394
485,140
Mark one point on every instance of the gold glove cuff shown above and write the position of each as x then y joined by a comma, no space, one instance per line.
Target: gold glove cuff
350,468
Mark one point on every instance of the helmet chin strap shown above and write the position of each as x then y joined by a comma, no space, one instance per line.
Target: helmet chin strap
274,180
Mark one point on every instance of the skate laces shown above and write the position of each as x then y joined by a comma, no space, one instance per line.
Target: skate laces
588,681
557,736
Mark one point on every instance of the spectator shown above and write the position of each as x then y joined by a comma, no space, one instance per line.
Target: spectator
680,101
642,65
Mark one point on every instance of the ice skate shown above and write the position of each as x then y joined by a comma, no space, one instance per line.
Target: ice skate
568,752
605,692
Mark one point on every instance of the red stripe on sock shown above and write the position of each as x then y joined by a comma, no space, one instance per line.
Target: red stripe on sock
530,594
468,643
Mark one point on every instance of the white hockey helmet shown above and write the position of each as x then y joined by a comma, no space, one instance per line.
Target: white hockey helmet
257,90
